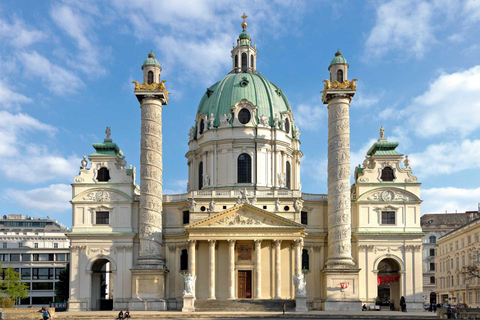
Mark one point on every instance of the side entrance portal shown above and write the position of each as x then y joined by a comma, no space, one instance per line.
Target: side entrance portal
244,284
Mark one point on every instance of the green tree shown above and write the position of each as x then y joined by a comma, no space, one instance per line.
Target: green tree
62,287
12,285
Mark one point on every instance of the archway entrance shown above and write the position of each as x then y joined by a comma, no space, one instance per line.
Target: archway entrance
433,298
102,285
388,281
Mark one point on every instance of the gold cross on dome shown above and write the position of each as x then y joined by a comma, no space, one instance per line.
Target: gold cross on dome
244,17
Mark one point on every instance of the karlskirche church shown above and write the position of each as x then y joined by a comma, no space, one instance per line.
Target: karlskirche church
245,232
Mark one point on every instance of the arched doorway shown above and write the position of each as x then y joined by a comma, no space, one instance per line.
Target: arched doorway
433,298
102,285
388,281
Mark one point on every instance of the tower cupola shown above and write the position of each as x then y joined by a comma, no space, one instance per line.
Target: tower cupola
338,68
151,69
244,55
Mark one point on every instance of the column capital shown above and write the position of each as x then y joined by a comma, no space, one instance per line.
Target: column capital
298,242
258,241
317,248
277,242
192,242
231,242
212,242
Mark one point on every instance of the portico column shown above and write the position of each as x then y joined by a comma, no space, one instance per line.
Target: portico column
191,255
258,269
278,270
298,256
211,280
231,269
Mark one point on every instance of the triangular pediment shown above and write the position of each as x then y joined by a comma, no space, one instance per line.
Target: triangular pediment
245,215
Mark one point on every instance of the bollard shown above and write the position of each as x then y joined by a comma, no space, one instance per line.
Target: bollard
2,315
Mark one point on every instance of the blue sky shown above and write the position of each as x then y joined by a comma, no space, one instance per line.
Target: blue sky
66,69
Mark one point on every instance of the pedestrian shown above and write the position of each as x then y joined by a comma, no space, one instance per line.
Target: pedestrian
434,307
46,314
449,312
430,308
120,315
284,307
127,314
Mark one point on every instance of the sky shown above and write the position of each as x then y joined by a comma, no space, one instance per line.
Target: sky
66,72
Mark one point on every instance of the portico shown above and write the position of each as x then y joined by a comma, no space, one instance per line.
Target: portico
239,253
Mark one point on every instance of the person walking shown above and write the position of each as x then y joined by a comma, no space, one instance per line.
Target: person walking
284,307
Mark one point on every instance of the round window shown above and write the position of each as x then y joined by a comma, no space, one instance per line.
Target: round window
244,116
286,208
203,208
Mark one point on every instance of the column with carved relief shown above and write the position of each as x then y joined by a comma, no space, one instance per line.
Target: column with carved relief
278,269
211,277
231,269
258,269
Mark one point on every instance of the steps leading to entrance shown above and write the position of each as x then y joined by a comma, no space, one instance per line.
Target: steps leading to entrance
243,305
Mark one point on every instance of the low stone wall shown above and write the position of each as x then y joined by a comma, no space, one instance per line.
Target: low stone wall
25,313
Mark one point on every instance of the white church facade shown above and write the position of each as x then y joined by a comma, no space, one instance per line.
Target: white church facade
244,228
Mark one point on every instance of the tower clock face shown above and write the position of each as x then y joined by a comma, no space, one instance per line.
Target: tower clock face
388,195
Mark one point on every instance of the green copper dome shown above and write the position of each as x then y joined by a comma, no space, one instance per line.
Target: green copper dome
339,59
234,87
151,61
244,35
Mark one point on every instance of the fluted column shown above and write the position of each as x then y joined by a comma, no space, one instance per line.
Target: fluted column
278,269
298,244
211,277
258,269
191,256
150,216
339,215
231,269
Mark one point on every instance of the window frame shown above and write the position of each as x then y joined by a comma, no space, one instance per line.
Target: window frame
386,220
244,168
97,218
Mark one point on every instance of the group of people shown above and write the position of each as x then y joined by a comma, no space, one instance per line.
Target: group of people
125,315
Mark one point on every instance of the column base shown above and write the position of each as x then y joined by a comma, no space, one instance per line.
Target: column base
147,305
148,288
301,304
77,305
342,305
211,298
336,297
188,303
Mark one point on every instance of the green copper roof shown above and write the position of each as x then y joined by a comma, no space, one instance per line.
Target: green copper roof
151,61
384,148
234,87
339,59
244,35
107,148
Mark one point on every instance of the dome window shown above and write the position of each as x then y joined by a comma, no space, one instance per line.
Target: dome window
103,175
200,176
387,174
244,168
251,61
236,61
340,75
202,126
244,62
244,116
288,181
244,82
287,126
150,77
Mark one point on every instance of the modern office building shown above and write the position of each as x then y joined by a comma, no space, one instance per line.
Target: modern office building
38,249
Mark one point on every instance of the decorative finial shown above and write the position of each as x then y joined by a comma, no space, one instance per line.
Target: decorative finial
244,23
151,54
406,162
338,53
382,132
108,133
84,162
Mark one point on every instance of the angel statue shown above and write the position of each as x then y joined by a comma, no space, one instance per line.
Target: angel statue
300,285
189,284
108,132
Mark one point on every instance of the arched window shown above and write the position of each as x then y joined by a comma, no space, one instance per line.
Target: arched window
244,168
236,61
159,79
103,174
387,174
244,116
287,126
251,61
287,174
184,260
305,260
244,62
432,239
200,176
202,126
340,75
150,77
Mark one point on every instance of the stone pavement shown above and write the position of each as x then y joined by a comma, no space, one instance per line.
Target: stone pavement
152,315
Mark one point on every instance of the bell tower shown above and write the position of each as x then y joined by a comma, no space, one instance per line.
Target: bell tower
340,270
149,272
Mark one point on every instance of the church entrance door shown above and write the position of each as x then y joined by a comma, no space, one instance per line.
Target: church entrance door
244,284
102,285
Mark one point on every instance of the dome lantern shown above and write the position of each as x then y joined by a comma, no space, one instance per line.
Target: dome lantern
244,55
151,69
338,68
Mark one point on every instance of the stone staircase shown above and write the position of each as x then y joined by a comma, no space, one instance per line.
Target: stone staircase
243,305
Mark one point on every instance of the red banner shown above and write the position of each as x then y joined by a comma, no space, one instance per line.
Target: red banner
387,279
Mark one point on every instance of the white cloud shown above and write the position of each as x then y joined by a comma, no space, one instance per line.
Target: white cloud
401,25
176,187
472,10
365,100
58,80
315,168
447,158
18,34
78,26
54,198
310,116
451,104
10,99
437,200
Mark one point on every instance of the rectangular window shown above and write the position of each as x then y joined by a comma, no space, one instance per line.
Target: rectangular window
26,274
25,301
102,217
15,257
432,252
186,217
388,217
61,257
42,273
57,272
55,245
36,245
304,217
43,257
432,266
469,240
26,257
432,280
42,300
4,245
3,257
20,245
42,286
463,243
477,239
